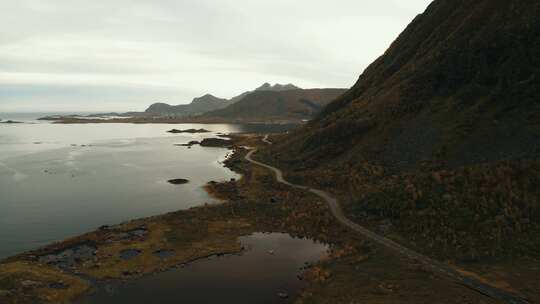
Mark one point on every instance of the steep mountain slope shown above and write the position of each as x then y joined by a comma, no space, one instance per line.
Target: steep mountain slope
461,85
265,105
441,133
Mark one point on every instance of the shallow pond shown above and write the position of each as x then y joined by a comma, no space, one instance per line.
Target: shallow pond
265,273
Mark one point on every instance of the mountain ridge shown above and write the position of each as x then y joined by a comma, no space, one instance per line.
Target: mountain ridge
408,82
198,105
264,105
209,102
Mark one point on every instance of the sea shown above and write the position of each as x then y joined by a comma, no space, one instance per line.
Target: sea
58,181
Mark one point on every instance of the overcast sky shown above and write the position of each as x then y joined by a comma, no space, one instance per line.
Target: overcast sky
120,55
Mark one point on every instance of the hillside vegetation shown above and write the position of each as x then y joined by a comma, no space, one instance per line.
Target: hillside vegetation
439,139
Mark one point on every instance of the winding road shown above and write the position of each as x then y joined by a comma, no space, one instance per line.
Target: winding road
435,266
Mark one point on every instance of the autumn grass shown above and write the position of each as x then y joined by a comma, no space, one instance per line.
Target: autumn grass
220,237
31,283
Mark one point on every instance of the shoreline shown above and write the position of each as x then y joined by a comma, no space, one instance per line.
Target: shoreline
162,120
100,264
51,175
74,240
254,203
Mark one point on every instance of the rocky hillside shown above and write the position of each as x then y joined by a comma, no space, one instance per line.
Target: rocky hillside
267,87
209,102
265,105
197,106
442,131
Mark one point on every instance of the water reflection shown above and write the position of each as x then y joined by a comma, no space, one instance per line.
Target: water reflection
265,273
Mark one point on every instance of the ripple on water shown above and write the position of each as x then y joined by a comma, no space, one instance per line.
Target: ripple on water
17,175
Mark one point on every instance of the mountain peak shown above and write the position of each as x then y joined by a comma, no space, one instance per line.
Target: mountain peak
207,98
265,86
277,87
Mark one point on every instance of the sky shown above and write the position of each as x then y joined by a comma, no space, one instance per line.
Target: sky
123,55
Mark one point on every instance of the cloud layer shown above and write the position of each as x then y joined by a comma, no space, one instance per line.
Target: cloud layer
119,55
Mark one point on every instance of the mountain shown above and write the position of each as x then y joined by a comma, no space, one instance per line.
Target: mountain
441,134
277,87
266,87
209,102
277,104
197,106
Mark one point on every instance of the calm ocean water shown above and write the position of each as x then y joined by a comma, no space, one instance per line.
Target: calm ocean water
58,181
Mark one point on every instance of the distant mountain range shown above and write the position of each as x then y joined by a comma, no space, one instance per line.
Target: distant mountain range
209,102
267,103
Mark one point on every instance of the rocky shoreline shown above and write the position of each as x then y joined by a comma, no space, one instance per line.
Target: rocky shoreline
210,142
122,252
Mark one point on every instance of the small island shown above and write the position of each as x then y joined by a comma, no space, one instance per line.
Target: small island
209,142
189,144
178,181
192,131
216,142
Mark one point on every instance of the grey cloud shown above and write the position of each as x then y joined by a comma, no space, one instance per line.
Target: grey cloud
179,49
89,97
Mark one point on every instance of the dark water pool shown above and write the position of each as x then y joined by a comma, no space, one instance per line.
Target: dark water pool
266,273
